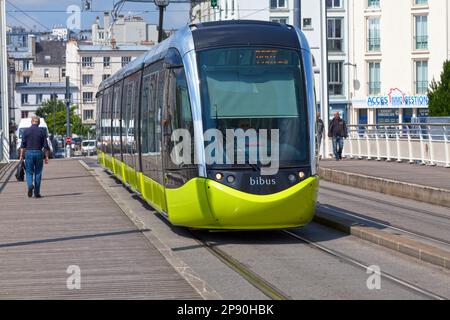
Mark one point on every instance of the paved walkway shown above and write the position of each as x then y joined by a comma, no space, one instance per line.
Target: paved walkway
76,223
437,177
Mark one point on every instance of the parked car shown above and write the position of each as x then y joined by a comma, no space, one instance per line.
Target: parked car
88,147
60,153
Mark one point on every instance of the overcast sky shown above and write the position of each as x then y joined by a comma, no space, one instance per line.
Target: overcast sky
44,14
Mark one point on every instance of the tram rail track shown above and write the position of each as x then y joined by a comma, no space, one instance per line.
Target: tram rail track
393,227
274,293
351,261
389,203
267,288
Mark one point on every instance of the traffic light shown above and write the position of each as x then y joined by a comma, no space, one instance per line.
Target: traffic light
214,3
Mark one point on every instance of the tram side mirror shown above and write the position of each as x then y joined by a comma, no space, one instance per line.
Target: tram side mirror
173,59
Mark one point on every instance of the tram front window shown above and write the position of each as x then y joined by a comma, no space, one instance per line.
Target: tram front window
257,88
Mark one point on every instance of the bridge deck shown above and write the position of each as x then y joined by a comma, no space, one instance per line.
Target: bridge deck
437,177
76,223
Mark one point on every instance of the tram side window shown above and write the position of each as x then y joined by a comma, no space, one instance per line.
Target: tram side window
127,134
179,109
116,121
133,121
99,122
148,118
107,122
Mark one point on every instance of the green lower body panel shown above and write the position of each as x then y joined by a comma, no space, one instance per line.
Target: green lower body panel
205,204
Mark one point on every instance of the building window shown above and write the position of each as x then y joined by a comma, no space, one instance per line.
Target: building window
335,37
373,3
125,61
335,78
24,98
26,79
334,4
25,114
39,98
101,35
86,62
420,2
278,4
88,79
63,72
282,20
88,115
421,77
88,97
106,62
421,31
46,73
53,97
105,76
307,23
374,78
374,41
26,65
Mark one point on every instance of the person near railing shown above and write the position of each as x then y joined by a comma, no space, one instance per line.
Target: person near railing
320,128
338,132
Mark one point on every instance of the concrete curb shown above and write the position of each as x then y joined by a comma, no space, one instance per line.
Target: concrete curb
399,243
416,192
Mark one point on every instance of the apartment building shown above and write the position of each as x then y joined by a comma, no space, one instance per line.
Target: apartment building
129,30
89,65
283,11
397,49
41,78
113,46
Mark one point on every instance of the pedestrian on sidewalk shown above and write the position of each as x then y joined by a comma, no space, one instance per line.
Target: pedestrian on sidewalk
35,148
320,128
338,132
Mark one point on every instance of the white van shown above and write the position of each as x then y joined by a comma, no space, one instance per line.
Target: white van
24,125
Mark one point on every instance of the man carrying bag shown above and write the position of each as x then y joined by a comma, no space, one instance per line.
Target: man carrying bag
35,143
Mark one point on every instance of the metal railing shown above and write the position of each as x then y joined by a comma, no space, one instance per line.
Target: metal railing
426,144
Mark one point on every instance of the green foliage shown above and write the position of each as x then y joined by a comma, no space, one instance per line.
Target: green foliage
54,112
439,94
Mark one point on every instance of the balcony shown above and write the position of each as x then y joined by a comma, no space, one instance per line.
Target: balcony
373,44
421,87
335,45
374,88
421,42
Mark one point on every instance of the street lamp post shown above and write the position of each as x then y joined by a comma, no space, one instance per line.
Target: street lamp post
162,4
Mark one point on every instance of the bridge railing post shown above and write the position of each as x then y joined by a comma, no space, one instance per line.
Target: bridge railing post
408,130
447,147
430,139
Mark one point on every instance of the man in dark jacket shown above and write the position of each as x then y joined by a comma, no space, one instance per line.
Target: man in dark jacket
34,141
320,128
338,131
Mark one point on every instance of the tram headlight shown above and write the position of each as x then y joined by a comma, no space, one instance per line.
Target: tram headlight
302,175
219,176
291,178
231,179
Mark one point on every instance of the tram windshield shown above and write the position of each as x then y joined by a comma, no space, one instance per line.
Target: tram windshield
257,88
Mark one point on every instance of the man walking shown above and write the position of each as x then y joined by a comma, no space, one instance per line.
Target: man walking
320,128
338,131
34,142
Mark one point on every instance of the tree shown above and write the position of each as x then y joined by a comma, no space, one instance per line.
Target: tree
439,94
54,114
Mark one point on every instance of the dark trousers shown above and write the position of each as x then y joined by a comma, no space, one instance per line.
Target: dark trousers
338,147
34,164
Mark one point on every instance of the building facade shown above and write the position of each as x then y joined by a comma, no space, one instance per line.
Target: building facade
126,30
397,49
89,65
